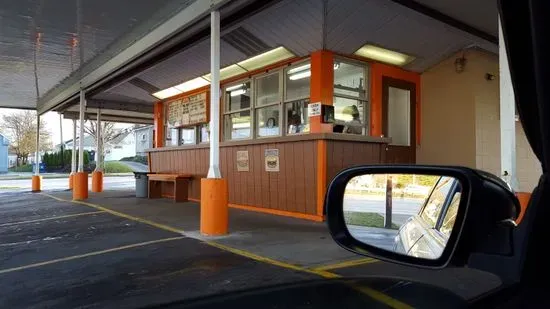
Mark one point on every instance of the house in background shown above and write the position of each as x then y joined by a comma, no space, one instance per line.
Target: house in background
4,159
143,139
124,145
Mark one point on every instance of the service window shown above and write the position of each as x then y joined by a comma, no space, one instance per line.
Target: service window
267,104
171,136
297,117
350,98
296,97
187,136
204,133
237,119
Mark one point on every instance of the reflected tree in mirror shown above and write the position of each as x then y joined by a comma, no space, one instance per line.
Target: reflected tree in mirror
405,213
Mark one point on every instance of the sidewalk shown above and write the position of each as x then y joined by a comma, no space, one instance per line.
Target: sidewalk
17,175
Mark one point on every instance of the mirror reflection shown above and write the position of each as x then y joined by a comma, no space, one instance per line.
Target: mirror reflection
405,213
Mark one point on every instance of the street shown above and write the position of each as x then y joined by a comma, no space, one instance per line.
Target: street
374,236
109,182
377,204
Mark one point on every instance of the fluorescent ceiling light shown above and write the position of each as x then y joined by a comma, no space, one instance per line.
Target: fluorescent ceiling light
300,75
166,93
192,84
383,55
300,68
227,72
234,87
265,59
237,92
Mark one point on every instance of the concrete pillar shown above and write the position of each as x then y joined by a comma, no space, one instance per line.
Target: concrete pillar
507,118
97,175
36,178
80,180
214,189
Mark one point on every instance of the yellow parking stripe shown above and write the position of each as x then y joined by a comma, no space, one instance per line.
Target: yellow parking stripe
344,264
52,218
120,214
379,296
74,257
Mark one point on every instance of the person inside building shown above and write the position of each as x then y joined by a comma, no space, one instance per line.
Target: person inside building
354,126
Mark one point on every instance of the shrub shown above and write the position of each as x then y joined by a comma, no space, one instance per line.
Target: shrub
116,167
21,169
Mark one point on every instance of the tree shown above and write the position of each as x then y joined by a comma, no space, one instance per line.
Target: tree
108,131
20,127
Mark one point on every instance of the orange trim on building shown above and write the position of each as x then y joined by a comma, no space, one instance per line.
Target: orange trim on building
523,198
377,72
321,86
321,175
279,212
158,115
273,211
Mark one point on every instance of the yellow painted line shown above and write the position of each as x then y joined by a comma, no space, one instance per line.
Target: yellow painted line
379,296
344,264
80,256
120,214
256,257
52,218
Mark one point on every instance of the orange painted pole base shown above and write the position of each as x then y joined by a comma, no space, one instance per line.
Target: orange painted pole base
97,181
36,183
80,186
523,198
71,176
214,207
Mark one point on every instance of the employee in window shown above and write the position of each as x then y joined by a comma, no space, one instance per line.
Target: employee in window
354,126
295,123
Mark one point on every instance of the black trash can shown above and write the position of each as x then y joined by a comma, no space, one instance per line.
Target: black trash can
142,184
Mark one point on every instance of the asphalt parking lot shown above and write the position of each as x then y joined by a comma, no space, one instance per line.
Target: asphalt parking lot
115,251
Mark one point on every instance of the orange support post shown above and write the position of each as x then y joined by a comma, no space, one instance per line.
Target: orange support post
214,207
80,186
322,86
97,181
523,198
36,183
158,120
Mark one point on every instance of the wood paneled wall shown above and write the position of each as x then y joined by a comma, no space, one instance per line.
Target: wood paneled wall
344,154
291,189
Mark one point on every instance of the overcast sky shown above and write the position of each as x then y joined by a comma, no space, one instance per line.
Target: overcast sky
52,125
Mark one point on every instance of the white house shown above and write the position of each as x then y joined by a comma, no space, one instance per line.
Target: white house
143,139
4,158
124,145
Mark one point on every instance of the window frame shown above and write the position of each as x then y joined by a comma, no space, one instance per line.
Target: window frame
250,109
254,106
444,205
284,99
363,96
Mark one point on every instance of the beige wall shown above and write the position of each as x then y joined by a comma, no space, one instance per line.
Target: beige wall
460,119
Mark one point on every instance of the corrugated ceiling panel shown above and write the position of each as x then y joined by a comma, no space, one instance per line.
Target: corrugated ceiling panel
50,28
354,23
127,93
297,25
188,64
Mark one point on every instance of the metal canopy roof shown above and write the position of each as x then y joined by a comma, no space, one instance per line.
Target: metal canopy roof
113,33
50,30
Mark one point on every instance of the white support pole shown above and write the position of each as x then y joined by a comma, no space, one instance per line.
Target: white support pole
99,143
214,168
507,118
73,155
81,135
37,154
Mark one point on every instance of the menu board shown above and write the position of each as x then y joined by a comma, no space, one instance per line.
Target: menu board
190,110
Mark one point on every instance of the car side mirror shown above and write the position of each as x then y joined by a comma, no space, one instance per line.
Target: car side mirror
427,216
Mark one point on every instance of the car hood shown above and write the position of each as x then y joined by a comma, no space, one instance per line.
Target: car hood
333,293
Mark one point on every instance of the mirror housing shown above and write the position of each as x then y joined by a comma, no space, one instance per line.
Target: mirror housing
484,221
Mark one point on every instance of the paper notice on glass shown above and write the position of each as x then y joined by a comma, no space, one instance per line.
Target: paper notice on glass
243,164
272,160
314,109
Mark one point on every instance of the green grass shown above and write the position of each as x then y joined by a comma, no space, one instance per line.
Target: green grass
9,187
366,219
21,169
116,167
